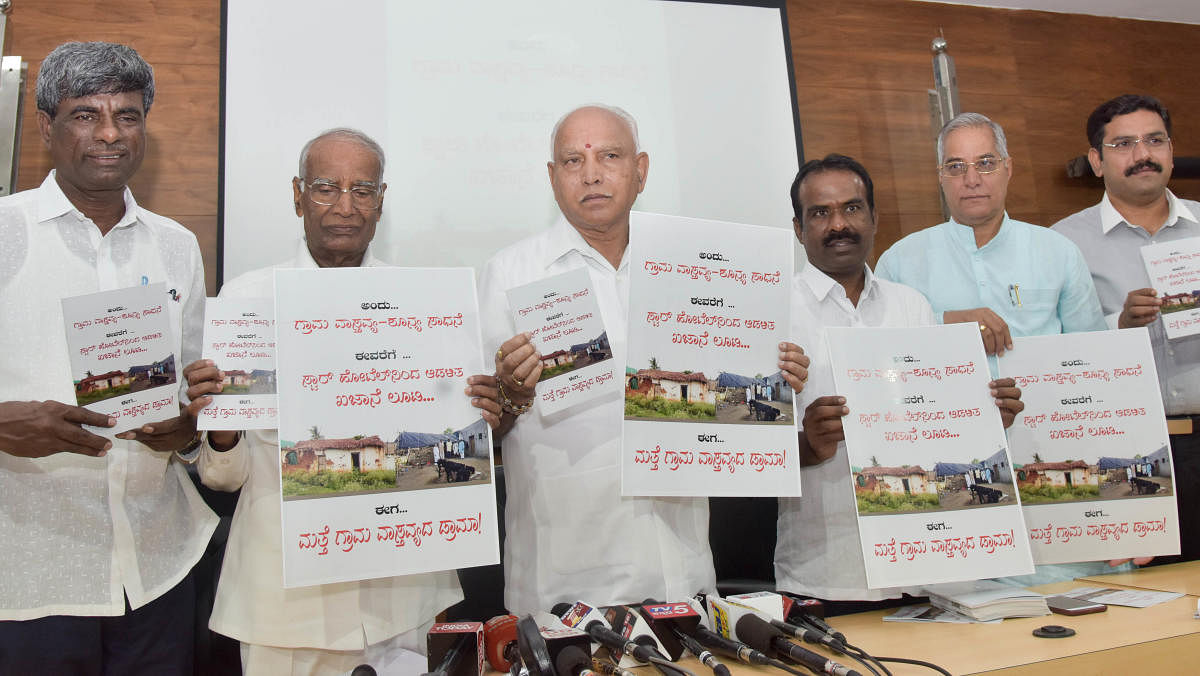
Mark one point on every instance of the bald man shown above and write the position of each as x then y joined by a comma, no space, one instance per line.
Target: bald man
570,534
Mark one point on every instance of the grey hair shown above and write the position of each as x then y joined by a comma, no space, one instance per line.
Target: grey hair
346,134
76,69
964,120
620,113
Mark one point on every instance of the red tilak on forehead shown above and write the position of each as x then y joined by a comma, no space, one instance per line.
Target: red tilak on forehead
587,145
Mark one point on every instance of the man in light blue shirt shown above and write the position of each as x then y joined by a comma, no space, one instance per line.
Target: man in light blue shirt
1009,277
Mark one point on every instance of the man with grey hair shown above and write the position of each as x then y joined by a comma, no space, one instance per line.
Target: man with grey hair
100,535
1008,277
328,628
570,534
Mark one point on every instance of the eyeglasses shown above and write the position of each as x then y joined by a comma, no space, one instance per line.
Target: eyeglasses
1125,144
985,165
363,197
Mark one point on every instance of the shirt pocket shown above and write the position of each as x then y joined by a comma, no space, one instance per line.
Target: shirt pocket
1034,298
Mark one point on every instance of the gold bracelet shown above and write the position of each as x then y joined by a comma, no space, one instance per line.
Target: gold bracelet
508,405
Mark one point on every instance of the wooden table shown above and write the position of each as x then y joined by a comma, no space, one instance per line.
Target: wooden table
1161,639
1177,577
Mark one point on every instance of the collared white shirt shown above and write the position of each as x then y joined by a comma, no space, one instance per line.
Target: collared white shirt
570,534
80,532
1110,245
251,604
818,551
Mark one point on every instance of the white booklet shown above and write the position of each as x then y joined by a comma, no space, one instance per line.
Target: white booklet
122,355
386,468
706,409
1090,451
1174,269
927,455
239,336
563,317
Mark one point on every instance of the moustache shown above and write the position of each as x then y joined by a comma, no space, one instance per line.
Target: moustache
834,236
1144,164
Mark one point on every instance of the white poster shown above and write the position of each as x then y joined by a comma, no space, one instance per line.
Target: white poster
706,409
239,337
1090,451
122,359
1174,269
562,317
928,457
386,468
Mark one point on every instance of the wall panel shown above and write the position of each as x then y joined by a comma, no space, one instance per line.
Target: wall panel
863,67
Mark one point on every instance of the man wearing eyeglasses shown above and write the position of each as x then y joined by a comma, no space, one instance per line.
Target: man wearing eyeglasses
1008,277
330,628
1130,139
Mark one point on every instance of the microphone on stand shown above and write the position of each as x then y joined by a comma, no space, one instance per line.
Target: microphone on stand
759,634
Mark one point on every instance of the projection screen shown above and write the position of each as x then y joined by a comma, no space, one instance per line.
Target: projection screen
463,96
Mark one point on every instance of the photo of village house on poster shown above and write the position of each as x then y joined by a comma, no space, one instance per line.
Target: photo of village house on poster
385,466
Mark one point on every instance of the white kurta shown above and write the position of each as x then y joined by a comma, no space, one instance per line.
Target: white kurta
252,604
570,534
818,551
82,532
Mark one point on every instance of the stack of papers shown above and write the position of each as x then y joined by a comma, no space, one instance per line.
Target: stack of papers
1133,598
928,613
985,600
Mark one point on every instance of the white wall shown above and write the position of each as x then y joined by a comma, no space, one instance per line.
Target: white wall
463,97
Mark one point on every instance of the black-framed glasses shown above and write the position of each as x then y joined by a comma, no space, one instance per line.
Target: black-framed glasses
1126,144
984,165
363,196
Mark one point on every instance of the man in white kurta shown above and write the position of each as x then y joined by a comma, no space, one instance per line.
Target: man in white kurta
330,628
818,551
570,534
100,535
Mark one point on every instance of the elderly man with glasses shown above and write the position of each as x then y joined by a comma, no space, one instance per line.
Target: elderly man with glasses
1009,277
1130,148
330,628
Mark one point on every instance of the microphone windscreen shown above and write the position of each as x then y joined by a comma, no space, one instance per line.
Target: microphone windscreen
363,670
561,608
757,633
498,633
571,660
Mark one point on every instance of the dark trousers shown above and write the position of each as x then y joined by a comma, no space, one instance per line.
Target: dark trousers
154,639
1185,451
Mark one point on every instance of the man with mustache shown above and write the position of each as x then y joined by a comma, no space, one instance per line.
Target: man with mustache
570,534
1131,149
818,551
100,536
1009,277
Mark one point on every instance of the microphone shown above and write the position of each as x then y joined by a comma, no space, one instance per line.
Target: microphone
453,659
572,661
363,670
532,648
671,622
810,636
730,647
598,629
500,642
758,633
